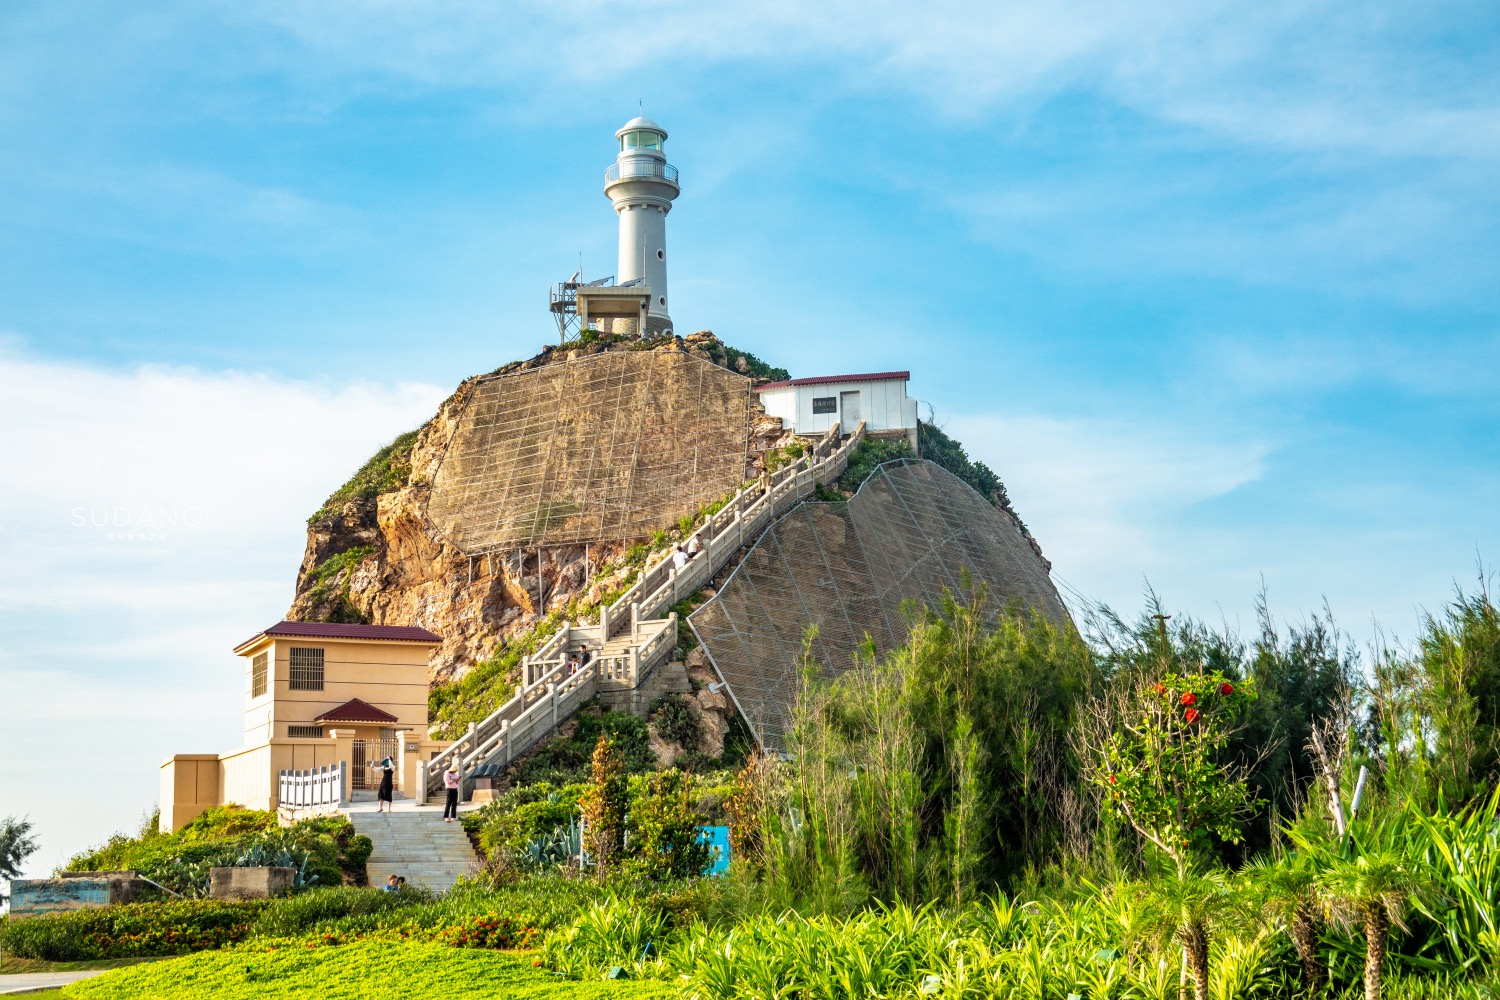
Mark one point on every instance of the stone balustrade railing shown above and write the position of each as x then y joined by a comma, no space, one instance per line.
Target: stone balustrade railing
548,694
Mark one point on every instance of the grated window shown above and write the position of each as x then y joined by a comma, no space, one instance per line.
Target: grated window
258,675
305,732
307,669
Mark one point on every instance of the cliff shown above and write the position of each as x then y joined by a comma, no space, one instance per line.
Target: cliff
372,554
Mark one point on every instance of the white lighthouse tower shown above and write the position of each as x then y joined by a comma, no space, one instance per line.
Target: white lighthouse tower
642,185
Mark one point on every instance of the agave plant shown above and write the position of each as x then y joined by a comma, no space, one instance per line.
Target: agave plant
551,850
268,854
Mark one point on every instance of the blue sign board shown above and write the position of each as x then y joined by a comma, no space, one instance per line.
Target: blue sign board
717,837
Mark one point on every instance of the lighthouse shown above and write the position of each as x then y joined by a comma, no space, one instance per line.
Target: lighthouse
642,185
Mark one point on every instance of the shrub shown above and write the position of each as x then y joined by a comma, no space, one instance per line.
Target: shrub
871,453
521,815
325,849
565,760
674,723
604,804
132,930
299,914
664,829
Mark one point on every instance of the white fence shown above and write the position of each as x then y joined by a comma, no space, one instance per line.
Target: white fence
313,792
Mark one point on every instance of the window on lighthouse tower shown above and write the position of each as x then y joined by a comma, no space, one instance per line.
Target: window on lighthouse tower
642,139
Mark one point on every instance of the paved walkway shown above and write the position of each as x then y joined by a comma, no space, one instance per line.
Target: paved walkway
30,982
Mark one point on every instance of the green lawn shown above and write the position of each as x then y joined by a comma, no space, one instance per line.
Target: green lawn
10,964
354,971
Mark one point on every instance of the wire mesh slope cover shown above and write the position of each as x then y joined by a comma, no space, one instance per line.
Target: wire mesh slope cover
908,533
608,446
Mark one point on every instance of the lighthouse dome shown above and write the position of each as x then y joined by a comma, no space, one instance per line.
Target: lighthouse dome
638,123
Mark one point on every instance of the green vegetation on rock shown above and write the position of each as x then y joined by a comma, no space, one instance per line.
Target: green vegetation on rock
386,471
871,453
330,582
564,760
938,447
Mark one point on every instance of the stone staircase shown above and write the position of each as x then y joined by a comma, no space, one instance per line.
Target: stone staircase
415,843
637,634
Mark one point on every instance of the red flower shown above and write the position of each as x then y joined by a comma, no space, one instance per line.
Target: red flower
1226,688
1192,715
1189,698
1112,780
1161,689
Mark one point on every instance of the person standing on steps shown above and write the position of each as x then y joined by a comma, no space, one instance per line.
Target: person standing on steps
694,546
387,780
451,783
679,558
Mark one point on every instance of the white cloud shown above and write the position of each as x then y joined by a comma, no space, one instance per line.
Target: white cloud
1108,499
117,650
1293,75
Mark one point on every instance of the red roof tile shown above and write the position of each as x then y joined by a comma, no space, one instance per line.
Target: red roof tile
826,379
340,630
355,710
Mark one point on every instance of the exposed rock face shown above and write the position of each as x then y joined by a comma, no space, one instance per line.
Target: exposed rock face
402,572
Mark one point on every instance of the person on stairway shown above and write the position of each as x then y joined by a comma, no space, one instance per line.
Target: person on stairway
387,780
451,783
679,558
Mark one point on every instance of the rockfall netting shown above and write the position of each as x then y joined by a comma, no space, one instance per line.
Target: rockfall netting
909,532
607,446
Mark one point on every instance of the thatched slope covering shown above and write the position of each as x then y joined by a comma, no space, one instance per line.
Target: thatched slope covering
599,447
911,531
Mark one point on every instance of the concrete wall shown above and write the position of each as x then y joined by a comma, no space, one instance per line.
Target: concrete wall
189,785
34,897
246,778
249,883
883,405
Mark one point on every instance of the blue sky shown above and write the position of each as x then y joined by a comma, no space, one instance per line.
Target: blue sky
1212,288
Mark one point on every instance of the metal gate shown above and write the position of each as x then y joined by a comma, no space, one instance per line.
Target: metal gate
367,752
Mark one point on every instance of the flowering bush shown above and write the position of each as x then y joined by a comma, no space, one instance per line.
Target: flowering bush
490,930
131,931
1160,762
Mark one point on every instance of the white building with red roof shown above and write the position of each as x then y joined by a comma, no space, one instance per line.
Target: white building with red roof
810,406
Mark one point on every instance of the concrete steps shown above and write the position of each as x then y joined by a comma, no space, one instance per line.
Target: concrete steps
415,843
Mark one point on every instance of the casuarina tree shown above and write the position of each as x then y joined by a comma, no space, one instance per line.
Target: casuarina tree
16,845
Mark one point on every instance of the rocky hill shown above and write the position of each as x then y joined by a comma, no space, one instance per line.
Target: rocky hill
372,555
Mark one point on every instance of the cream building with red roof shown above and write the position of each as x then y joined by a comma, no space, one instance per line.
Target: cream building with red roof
316,694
